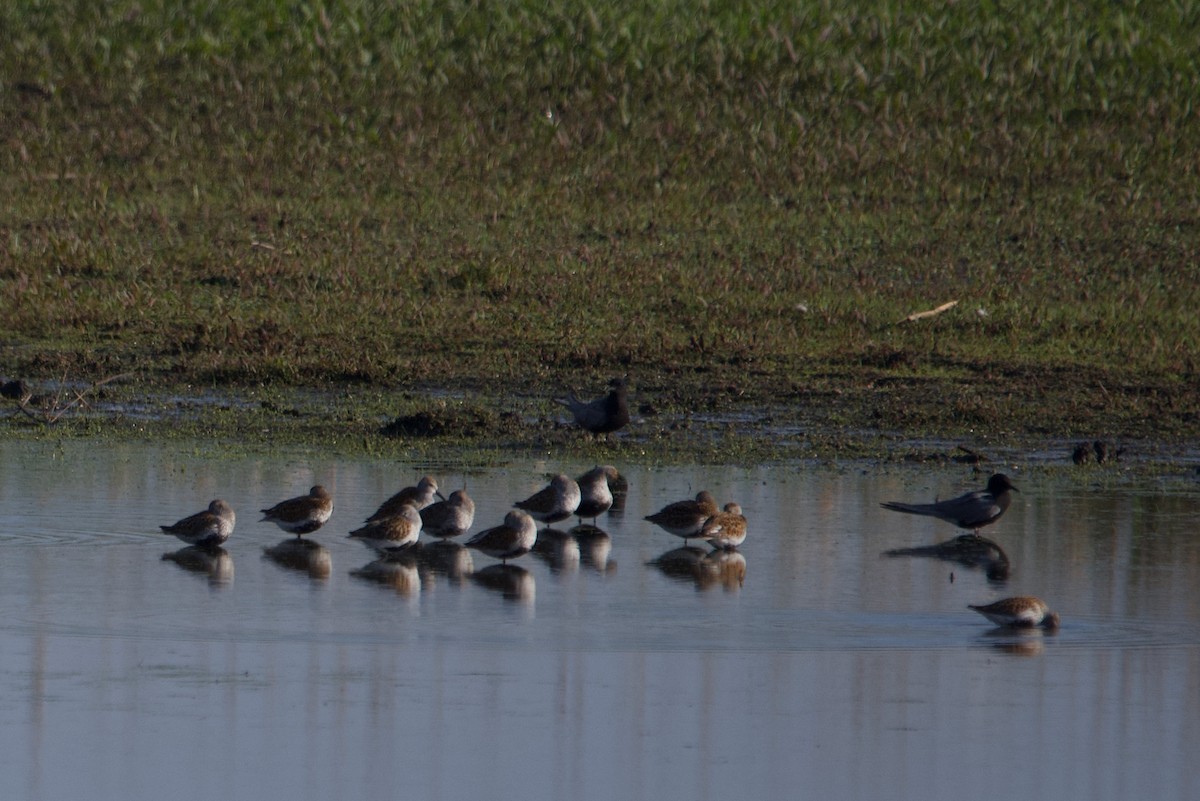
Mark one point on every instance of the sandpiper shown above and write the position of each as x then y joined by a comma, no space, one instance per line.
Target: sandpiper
604,414
418,497
686,518
725,530
302,515
973,510
401,529
1023,611
508,541
553,503
208,528
450,517
595,493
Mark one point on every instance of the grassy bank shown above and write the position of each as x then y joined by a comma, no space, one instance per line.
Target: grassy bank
733,206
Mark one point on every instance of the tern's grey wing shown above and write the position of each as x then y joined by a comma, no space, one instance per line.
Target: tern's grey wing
972,509
591,415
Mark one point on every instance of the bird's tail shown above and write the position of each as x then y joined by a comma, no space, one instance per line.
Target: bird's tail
570,401
909,508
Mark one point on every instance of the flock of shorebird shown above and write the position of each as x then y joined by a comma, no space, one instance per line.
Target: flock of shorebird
398,522
395,527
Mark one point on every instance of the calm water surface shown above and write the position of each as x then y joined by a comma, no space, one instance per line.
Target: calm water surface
807,666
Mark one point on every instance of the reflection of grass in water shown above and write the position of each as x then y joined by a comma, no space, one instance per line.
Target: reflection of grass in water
730,206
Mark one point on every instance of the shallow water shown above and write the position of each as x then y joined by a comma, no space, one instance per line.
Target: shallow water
808,664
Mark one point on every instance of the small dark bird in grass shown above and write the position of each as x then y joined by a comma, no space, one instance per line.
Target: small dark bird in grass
604,414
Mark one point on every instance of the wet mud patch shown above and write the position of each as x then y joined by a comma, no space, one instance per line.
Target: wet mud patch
466,421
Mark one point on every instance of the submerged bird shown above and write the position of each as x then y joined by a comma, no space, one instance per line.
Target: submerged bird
450,517
596,496
515,537
208,528
1023,611
402,528
604,414
302,515
553,503
686,518
419,497
972,510
725,530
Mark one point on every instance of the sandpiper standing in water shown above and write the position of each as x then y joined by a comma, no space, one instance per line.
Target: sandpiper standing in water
595,493
450,517
302,515
515,537
725,530
205,529
401,529
553,503
1023,611
418,497
686,518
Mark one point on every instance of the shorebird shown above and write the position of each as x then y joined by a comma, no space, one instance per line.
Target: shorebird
397,531
553,503
725,530
1023,611
515,537
596,496
418,497
302,515
450,517
973,510
208,528
604,414
686,518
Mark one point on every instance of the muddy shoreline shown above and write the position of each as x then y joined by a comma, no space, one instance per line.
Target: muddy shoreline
876,418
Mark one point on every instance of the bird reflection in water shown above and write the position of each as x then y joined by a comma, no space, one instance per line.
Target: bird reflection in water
514,583
303,555
969,550
704,569
396,569
558,549
595,548
214,561
1017,642
619,487
445,558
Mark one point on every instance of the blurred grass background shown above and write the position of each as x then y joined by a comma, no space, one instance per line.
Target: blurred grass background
458,193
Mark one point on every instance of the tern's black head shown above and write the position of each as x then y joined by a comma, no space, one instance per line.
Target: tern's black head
999,483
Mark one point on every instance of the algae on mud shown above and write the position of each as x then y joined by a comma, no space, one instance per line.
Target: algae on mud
734,208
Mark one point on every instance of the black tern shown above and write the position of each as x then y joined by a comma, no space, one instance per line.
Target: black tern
602,415
972,511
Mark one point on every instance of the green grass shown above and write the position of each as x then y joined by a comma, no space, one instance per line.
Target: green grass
729,203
